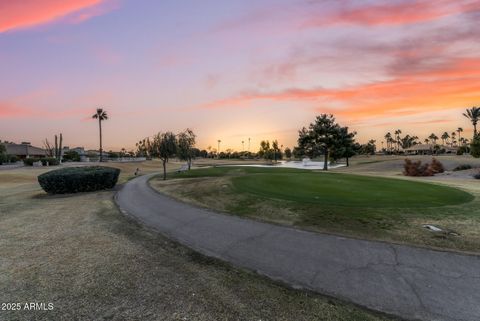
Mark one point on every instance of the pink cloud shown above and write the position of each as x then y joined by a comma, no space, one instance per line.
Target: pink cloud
30,13
394,13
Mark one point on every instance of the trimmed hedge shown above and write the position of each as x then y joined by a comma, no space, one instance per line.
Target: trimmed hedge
30,161
78,179
52,161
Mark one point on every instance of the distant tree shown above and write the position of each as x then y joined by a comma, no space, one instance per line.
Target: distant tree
298,152
445,136
433,138
367,149
473,114
112,154
164,146
266,151
454,141
475,146
203,153
71,156
321,136
277,154
185,150
397,137
288,153
101,115
459,131
3,154
389,139
408,141
345,145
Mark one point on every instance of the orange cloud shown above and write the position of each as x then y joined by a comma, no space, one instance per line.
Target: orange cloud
447,87
28,13
391,13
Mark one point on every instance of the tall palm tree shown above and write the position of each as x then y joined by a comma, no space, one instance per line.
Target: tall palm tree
397,136
459,131
101,115
474,115
433,138
388,138
453,138
445,137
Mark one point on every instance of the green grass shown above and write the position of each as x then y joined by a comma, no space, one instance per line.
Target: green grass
349,190
368,207
334,189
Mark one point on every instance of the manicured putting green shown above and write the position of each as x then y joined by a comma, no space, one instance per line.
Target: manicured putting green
333,189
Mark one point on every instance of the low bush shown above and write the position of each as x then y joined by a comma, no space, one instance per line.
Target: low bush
78,179
476,176
436,167
12,158
3,158
416,168
30,161
462,150
51,161
71,156
462,167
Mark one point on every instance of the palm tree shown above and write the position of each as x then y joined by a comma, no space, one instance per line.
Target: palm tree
397,136
459,131
445,137
474,115
218,141
388,138
101,115
433,138
453,138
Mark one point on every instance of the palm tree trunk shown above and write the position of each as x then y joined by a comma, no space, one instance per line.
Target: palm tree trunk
164,161
347,162
101,149
474,130
325,162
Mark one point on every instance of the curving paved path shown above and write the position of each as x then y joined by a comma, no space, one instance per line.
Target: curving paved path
405,281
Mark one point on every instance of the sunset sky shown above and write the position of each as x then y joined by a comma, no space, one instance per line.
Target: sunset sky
235,69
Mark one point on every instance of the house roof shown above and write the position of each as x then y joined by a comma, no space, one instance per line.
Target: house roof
24,150
427,147
419,147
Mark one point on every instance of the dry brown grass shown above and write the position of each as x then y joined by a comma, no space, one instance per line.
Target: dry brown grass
92,263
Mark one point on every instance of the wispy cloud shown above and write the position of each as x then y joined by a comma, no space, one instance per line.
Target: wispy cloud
30,13
439,88
391,13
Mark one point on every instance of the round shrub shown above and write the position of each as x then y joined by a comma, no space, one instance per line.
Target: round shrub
78,179
52,161
29,161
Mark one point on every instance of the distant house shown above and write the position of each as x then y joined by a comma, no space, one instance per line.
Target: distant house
24,150
428,149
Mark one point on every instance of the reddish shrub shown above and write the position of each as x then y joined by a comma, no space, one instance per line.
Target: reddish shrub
436,166
416,168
